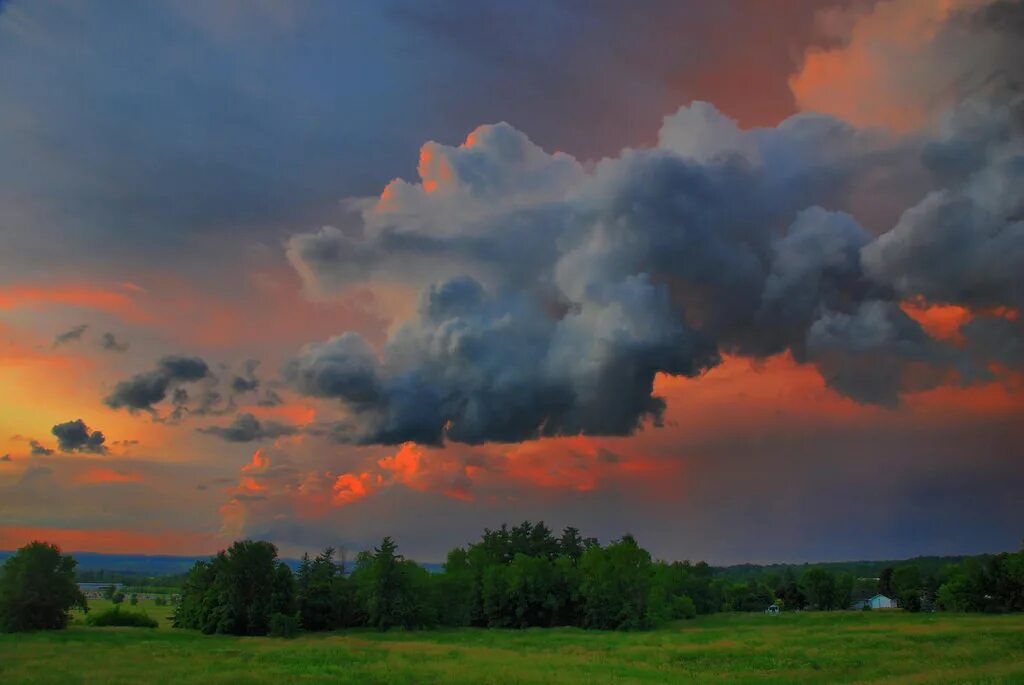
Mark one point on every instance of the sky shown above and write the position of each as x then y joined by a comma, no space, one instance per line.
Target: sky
743,279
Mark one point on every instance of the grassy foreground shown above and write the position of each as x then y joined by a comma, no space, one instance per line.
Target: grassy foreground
824,648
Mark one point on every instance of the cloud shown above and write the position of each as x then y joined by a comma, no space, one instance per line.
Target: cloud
38,449
904,62
143,390
110,343
73,335
247,382
247,428
75,436
552,293
5,457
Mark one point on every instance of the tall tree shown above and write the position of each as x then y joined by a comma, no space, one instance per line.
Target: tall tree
38,589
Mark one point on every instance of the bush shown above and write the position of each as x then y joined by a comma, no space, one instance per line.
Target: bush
116,617
283,625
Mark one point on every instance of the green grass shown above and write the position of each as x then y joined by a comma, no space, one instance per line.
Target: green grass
815,648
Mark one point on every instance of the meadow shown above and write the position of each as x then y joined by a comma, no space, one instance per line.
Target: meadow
810,647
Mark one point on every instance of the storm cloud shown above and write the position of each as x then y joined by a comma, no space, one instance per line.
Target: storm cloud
75,436
553,292
143,390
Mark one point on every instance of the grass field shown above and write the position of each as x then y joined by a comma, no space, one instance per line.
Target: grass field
815,648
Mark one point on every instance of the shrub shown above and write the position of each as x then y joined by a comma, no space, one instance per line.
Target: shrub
283,625
116,617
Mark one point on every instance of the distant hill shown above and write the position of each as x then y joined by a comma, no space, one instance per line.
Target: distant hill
152,565
168,565
859,569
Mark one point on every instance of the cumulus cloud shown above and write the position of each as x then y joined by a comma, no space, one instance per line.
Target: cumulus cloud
247,428
142,391
110,343
75,436
553,292
73,335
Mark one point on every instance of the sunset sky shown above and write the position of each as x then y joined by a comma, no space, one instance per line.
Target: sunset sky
742,278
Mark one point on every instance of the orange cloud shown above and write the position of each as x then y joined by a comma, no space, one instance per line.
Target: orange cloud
879,76
349,488
434,168
112,541
86,296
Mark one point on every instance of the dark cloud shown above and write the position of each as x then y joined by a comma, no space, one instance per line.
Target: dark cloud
75,436
247,428
553,292
38,449
110,343
143,390
73,335
5,457
247,381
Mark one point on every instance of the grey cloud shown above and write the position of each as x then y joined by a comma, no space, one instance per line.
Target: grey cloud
38,449
866,355
247,382
247,428
75,436
110,343
143,390
653,262
73,335
948,249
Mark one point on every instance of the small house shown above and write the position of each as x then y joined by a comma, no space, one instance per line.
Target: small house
876,602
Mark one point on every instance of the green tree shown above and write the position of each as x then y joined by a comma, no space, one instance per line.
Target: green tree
38,589
908,586
391,590
318,609
237,591
616,585
820,587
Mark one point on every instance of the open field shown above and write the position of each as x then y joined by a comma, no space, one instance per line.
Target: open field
814,648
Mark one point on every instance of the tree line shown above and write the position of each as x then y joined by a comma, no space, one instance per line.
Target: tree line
512,577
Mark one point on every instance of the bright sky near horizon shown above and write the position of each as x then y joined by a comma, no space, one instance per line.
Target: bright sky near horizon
743,279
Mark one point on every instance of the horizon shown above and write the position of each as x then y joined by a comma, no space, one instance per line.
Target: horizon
440,562
742,279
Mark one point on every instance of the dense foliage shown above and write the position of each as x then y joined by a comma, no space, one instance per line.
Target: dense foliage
38,589
525,576
115,617
995,584
237,591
